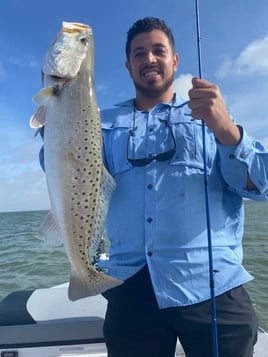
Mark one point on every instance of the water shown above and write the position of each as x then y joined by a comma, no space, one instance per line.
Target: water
27,263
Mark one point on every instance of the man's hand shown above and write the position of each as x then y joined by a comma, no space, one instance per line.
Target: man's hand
208,104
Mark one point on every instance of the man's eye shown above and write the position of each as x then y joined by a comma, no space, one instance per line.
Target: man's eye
160,51
138,54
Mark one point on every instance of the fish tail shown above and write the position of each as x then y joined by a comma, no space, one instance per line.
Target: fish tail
96,284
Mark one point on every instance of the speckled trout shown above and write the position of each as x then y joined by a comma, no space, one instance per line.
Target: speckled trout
78,184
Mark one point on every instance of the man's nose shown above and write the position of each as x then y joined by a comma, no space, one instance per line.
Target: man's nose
150,58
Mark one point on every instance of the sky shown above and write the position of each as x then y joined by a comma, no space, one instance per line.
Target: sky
234,43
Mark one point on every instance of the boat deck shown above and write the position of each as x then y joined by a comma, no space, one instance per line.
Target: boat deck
45,322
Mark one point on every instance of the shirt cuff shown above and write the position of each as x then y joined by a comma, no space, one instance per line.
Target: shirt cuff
240,161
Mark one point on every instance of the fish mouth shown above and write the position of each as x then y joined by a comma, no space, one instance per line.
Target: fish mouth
74,27
56,78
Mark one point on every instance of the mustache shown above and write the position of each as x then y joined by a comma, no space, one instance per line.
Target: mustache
150,67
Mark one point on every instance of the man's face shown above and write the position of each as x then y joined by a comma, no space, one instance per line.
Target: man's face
152,63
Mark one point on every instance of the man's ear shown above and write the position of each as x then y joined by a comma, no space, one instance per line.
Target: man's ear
128,67
176,61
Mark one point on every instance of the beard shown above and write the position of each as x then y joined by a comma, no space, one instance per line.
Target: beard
152,91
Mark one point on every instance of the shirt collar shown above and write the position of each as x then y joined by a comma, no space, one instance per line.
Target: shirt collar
177,101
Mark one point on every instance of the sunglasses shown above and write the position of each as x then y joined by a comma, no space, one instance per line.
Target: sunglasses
159,157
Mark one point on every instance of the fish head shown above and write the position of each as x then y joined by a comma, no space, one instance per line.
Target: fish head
68,51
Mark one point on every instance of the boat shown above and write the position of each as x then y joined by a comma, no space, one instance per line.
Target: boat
45,323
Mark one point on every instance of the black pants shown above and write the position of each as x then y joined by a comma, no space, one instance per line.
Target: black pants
135,326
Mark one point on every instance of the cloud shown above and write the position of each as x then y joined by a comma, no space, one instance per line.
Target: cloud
23,62
250,111
23,184
182,84
102,89
23,187
3,72
252,60
26,190
264,141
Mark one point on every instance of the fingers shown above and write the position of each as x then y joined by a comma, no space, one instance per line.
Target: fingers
204,96
203,89
207,103
200,83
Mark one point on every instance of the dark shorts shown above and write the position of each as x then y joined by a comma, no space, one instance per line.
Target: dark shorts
135,326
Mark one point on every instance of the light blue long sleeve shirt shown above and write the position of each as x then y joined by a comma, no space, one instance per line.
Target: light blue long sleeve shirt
157,213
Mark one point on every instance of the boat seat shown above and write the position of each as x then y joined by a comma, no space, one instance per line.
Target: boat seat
46,317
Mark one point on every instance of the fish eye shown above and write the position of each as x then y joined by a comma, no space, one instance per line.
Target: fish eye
84,40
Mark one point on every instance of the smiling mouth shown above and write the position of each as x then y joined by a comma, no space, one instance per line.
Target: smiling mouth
150,73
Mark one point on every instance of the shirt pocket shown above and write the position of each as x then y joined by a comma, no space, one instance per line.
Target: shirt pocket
115,141
189,144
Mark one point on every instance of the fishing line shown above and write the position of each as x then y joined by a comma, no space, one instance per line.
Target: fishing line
210,255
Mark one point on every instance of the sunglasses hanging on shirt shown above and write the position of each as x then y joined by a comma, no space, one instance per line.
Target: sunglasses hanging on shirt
139,162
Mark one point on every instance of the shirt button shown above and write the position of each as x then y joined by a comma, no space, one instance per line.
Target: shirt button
149,254
231,156
242,155
150,186
149,219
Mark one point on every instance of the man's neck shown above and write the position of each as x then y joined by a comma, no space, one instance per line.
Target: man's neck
146,104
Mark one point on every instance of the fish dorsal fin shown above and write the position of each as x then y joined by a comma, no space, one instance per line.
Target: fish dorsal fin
48,231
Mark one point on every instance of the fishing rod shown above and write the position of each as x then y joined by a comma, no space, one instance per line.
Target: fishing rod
210,255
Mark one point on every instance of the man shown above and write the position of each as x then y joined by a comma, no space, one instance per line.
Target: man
157,222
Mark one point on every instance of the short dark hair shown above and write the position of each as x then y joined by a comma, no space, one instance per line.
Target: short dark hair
148,24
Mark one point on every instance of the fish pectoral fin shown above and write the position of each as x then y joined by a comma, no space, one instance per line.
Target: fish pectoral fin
49,232
44,95
96,283
38,119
